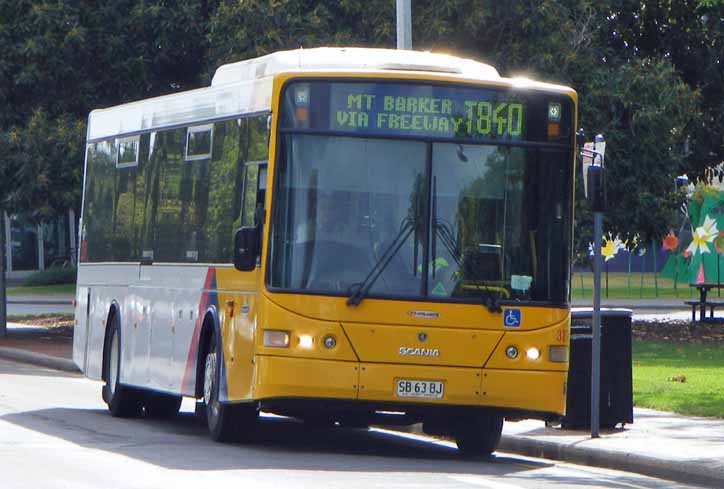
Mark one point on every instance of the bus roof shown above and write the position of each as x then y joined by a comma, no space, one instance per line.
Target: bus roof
245,87
351,59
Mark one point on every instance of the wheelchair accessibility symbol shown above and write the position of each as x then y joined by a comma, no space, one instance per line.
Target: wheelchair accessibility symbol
511,318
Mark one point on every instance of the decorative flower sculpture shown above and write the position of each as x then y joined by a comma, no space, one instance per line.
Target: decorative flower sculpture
719,243
671,242
702,235
611,247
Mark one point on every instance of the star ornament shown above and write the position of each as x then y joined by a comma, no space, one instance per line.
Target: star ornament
610,247
670,242
702,235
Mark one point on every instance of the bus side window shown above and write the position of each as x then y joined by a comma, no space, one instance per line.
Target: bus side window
260,195
254,192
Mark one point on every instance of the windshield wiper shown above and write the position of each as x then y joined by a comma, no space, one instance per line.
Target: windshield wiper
489,300
447,237
361,289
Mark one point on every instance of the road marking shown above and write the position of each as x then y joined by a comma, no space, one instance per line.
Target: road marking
412,436
481,481
600,473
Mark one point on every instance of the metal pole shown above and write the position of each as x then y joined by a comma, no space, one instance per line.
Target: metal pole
596,344
404,24
71,235
3,310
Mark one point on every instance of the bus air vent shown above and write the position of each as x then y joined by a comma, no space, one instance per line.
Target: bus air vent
411,67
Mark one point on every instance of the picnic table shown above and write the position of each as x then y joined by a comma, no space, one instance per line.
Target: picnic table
702,303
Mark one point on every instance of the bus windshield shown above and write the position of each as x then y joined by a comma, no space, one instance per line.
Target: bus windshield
441,220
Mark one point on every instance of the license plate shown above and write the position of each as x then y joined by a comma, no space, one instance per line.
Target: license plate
427,389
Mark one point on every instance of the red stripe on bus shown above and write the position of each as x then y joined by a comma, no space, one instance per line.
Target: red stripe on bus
187,385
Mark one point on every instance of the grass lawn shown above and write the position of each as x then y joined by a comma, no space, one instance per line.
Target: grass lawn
618,286
47,290
655,364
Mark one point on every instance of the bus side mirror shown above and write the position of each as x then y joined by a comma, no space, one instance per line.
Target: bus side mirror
246,248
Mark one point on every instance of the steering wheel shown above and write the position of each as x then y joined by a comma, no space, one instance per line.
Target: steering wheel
335,265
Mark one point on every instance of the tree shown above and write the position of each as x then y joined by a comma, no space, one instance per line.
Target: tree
690,35
47,156
643,109
625,57
243,30
62,60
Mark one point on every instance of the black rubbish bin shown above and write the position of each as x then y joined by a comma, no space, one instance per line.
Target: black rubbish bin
616,395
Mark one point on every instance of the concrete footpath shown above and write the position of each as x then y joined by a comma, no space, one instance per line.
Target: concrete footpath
663,445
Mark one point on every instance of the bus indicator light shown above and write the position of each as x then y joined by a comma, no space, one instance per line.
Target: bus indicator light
230,309
558,354
302,116
554,130
276,339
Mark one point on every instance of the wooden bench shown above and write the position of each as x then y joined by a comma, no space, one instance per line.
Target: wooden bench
698,304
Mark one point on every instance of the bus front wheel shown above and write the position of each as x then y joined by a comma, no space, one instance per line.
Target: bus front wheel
226,422
123,401
478,436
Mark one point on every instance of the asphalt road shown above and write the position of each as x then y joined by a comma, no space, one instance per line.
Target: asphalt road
56,433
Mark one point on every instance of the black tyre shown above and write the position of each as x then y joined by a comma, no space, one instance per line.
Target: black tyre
226,422
478,436
123,401
161,406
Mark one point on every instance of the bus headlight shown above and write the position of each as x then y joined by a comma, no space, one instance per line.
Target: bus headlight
276,339
511,352
305,341
558,354
532,353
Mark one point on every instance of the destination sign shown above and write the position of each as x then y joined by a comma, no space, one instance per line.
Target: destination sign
425,111
450,112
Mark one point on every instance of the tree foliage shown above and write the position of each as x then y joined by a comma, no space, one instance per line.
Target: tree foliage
44,156
62,59
649,75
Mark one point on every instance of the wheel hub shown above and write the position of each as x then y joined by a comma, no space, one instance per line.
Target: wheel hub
113,364
209,384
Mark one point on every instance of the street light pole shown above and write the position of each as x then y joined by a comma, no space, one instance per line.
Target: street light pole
596,340
594,187
404,24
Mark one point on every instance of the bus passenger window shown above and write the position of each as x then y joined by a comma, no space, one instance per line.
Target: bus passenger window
260,195
199,141
254,193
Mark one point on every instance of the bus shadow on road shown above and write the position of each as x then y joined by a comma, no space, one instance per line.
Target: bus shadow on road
182,443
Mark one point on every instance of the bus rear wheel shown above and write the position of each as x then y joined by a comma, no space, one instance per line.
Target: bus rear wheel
226,422
123,401
478,436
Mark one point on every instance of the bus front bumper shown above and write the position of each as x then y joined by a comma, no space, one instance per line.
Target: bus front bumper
514,390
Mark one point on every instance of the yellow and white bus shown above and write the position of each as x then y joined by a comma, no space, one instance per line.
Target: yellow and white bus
348,236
